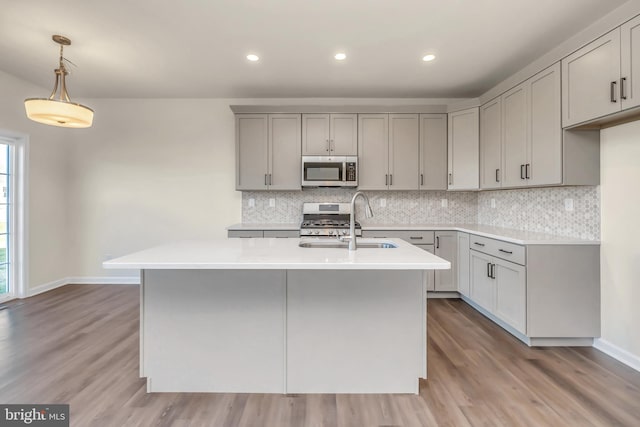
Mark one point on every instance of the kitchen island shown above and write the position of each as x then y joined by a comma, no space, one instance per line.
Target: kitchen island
269,316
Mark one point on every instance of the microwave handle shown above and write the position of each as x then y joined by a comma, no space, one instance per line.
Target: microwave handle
344,171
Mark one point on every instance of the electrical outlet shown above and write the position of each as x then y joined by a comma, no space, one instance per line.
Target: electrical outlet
493,203
568,205
444,203
252,203
383,203
272,203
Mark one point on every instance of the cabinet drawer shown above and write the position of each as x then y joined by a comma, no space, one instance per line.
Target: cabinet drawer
245,233
508,251
419,237
281,233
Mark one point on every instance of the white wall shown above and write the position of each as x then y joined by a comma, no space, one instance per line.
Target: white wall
620,251
150,172
47,179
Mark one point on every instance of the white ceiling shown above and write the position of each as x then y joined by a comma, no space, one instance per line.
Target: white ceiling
197,48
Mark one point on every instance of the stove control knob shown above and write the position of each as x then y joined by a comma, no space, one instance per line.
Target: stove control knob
330,232
344,232
317,232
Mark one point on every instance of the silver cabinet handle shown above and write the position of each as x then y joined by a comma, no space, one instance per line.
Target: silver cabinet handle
493,271
521,171
613,91
386,179
437,242
421,179
270,180
488,269
265,179
328,145
623,88
415,237
505,251
497,177
527,169
479,244
450,179
390,179
332,145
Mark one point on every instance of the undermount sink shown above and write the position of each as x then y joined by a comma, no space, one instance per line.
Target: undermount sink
331,243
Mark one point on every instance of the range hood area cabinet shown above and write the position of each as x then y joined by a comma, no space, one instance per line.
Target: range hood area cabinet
522,143
268,151
599,79
329,134
402,151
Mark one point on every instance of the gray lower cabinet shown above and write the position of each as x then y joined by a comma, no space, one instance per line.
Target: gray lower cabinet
263,233
544,294
446,247
440,243
268,151
462,262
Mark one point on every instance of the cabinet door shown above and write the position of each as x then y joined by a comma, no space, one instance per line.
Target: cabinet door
251,151
373,146
446,247
590,80
284,151
431,279
315,135
630,63
433,151
404,162
545,128
344,134
482,286
491,144
510,302
463,264
514,136
463,150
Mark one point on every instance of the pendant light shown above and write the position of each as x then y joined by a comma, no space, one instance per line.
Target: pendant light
58,110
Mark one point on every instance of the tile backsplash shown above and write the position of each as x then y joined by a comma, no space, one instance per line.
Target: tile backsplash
402,207
537,209
543,210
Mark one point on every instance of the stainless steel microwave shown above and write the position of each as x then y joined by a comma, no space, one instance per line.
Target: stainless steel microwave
329,171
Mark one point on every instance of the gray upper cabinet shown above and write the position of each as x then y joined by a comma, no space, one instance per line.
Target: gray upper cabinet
268,151
545,144
433,151
630,62
252,135
590,80
463,150
373,146
388,151
521,137
491,144
404,161
329,134
515,119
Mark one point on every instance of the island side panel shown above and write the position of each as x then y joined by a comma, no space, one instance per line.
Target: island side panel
354,331
214,330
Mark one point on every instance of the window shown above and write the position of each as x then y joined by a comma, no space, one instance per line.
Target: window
5,225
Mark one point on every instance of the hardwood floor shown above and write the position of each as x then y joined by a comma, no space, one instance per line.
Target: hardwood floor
79,345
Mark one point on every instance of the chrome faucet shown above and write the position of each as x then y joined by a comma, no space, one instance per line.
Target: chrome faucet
352,219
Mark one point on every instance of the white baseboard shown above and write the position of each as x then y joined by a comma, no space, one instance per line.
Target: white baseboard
620,354
84,280
47,287
104,280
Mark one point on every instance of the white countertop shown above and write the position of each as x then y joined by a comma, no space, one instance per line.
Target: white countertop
277,254
505,234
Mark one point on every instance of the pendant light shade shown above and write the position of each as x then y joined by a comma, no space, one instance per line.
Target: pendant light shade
58,110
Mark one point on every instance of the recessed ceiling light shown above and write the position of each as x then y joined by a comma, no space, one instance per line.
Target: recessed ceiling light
340,56
253,57
428,58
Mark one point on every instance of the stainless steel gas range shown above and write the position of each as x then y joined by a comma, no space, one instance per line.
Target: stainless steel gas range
326,219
